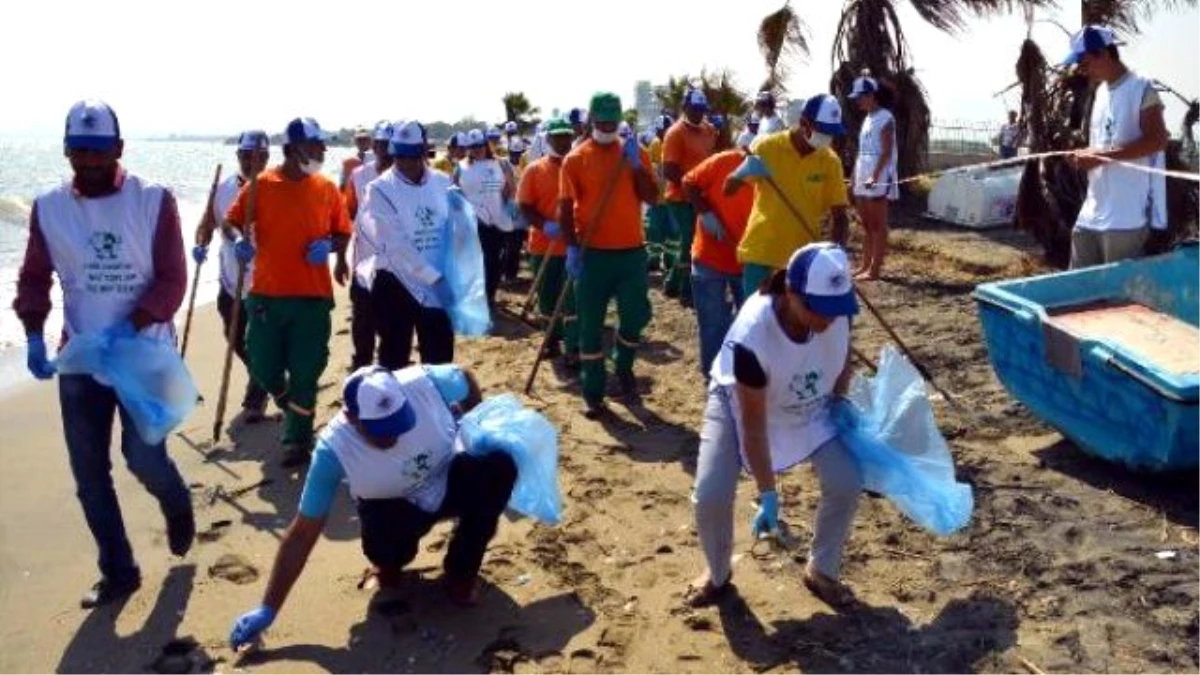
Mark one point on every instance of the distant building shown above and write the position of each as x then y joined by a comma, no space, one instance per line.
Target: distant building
646,104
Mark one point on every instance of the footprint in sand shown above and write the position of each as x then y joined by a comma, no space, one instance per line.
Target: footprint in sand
234,568
214,531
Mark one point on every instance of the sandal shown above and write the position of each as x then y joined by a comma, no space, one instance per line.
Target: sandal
829,591
706,594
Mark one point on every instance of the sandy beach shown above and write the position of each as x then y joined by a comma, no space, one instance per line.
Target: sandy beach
1059,571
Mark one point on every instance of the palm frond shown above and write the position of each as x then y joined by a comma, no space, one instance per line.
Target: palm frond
782,33
951,15
1125,15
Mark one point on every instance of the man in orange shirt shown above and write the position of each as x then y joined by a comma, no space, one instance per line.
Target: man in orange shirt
362,141
716,272
537,196
298,221
606,256
687,143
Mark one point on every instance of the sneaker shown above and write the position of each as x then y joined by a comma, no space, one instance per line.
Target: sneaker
106,591
181,530
295,455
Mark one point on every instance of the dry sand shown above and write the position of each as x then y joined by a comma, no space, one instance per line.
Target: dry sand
1058,570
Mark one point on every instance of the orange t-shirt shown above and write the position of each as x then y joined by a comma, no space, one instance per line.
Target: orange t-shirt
709,177
687,146
288,216
539,190
586,172
348,166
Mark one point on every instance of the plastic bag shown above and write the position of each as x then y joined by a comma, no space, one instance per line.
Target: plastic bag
463,269
502,424
150,379
888,426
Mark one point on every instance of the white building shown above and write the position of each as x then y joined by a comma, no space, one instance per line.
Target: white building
645,103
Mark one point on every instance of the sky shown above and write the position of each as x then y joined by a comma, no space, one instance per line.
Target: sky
219,66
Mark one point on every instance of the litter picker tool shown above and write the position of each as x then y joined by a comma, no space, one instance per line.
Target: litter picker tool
208,213
235,311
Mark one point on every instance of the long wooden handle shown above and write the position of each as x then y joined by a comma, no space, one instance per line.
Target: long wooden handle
187,323
235,312
537,280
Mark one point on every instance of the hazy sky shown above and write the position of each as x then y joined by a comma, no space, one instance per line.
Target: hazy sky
219,66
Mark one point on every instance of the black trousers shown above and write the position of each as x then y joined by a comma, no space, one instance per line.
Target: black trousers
397,314
493,241
513,243
255,395
477,492
362,326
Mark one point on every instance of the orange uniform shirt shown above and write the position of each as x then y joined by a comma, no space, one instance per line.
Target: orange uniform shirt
348,166
687,146
709,177
586,172
288,216
539,189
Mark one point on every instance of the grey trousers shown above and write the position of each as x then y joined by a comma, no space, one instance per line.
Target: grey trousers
717,473
1091,247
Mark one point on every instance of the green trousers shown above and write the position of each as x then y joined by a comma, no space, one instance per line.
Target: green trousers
753,275
566,329
287,340
682,219
607,275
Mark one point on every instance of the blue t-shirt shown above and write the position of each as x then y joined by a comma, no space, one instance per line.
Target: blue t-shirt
325,472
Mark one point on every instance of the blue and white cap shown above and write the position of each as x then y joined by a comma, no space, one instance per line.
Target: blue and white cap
820,274
663,122
91,125
493,134
863,85
254,140
383,131
373,395
510,127
408,139
764,97
695,98
577,116
825,113
475,138
624,130
1090,38
304,130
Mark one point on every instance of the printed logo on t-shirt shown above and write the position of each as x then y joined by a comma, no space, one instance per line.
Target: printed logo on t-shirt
816,178
105,245
808,399
805,386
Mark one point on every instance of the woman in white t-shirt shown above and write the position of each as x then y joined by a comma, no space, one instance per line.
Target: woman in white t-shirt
489,188
875,174
784,359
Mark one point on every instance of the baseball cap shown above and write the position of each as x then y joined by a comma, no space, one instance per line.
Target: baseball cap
517,145
577,116
695,98
765,97
373,395
383,131
361,132
605,107
820,274
1090,38
91,125
663,122
559,127
304,130
624,130
408,139
460,139
825,113
862,86
717,120
253,140
510,127
493,134
475,138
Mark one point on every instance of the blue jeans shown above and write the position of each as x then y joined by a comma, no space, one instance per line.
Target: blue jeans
88,409
715,308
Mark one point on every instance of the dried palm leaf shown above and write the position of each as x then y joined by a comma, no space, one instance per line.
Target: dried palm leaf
781,33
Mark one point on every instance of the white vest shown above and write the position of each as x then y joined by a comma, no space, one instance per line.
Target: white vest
363,249
103,252
870,149
771,125
1120,197
421,211
227,193
415,468
800,379
482,183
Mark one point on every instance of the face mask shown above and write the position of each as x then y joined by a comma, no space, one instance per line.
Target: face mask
604,138
819,140
311,167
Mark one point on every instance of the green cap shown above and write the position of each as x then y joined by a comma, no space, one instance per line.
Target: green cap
559,127
605,107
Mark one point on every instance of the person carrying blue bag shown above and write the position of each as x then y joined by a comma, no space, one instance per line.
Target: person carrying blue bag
395,444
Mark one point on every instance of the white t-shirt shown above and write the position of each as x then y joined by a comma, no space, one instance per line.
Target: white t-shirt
771,125
227,193
745,138
1008,136
870,148
482,183
406,225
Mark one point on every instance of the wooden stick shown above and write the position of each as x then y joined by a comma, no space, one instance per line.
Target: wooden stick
208,213
235,312
1030,666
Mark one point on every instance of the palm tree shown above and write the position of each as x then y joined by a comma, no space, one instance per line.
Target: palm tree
1124,15
517,108
781,33
718,86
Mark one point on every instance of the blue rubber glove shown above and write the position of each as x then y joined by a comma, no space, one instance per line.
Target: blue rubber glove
243,250
551,229
766,521
632,152
318,252
250,626
199,254
574,262
36,360
751,167
441,290
456,199
712,225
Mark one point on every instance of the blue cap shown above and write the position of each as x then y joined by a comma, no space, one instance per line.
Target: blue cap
862,86
252,140
493,134
304,130
408,139
1091,38
695,98
375,397
718,120
577,116
91,125
820,274
663,122
382,131
825,114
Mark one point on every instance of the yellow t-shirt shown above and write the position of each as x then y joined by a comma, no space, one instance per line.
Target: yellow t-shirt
813,184
444,164
656,151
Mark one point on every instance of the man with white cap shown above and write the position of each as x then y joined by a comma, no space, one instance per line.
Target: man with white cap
406,211
748,134
456,150
769,121
362,317
688,142
298,222
114,241
394,445
1124,205
253,153
362,143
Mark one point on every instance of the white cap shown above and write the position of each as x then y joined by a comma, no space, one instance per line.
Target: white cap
382,131
518,145
510,127
475,138
863,85
374,396
825,113
408,139
820,273
91,125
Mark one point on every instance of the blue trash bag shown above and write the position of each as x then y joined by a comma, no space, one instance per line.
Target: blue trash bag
502,424
463,268
148,375
887,424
